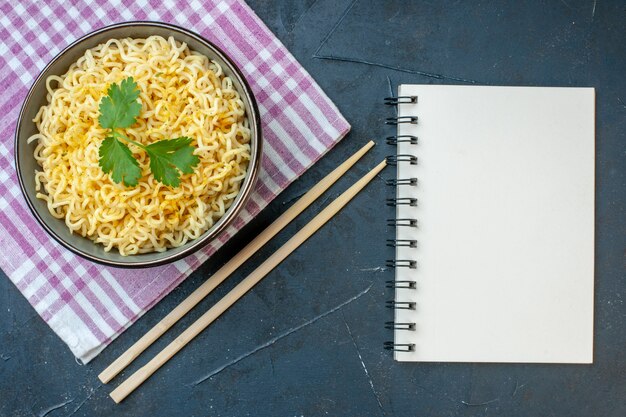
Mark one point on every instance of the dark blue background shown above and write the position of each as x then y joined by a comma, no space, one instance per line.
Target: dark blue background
335,365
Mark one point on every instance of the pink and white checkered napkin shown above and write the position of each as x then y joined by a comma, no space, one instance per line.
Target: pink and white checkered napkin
88,305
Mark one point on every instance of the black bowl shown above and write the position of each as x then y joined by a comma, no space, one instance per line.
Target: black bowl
26,164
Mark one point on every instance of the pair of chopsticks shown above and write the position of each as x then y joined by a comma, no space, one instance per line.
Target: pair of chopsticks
142,374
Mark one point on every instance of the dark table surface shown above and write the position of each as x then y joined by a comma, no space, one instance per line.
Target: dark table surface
296,345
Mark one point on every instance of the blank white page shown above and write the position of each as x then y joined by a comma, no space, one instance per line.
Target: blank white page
505,256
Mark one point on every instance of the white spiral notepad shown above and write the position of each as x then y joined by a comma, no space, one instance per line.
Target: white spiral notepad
495,224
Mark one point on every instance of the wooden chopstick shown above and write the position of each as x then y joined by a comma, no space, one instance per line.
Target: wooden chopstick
224,272
143,373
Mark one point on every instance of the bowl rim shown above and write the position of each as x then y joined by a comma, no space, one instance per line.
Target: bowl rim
240,200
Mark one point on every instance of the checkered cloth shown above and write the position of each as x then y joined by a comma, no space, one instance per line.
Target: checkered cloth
89,305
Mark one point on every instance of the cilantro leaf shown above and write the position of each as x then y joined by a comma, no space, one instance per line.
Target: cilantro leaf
119,108
117,159
169,156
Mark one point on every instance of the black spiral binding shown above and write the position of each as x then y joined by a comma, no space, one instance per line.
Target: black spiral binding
408,201
411,243
394,101
402,305
409,285
395,159
392,325
399,222
402,222
400,347
394,140
402,119
402,181
401,263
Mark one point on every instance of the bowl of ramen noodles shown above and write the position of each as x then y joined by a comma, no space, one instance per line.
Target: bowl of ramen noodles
138,144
